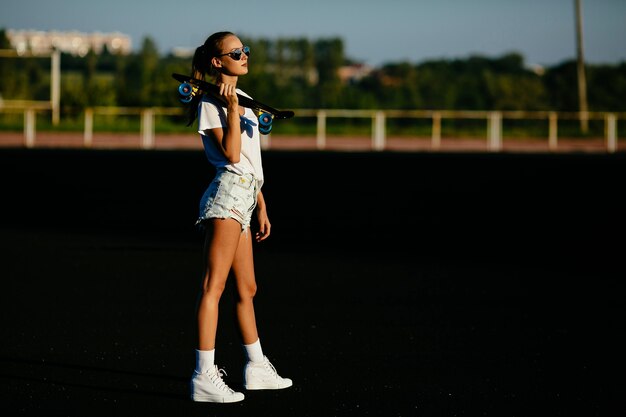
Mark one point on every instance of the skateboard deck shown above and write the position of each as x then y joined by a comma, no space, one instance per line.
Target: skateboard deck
189,87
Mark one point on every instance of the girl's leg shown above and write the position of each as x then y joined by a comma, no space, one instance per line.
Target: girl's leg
243,270
221,241
259,373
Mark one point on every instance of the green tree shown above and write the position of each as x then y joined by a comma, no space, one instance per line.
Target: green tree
149,61
607,87
302,73
8,83
329,57
561,85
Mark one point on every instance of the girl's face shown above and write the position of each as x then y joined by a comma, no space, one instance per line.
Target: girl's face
228,65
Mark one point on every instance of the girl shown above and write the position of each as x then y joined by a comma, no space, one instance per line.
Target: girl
231,140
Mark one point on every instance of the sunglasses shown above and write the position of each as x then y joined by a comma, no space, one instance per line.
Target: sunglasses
237,53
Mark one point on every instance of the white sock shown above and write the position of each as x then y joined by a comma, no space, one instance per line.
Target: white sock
254,351
205,360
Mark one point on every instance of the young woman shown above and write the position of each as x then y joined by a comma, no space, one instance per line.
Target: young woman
231,141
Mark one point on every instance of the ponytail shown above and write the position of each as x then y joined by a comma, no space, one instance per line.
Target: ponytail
201,66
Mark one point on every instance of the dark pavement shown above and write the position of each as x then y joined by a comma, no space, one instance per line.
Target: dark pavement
394,284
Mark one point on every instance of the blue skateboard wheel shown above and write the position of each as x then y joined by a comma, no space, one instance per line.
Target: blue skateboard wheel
185,89
265,123
186,99
265,119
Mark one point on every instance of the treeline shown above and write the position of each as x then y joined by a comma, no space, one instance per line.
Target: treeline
301,73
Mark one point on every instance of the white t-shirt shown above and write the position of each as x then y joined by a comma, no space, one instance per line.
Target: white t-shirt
212,114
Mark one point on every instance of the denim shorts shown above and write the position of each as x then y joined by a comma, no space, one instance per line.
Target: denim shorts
231,196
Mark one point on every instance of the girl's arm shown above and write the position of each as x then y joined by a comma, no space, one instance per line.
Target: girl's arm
264,222
229,139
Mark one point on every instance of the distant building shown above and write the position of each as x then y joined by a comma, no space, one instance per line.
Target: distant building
75,43
349,74
182,52
537,69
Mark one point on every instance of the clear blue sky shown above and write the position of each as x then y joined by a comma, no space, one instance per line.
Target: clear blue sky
373,31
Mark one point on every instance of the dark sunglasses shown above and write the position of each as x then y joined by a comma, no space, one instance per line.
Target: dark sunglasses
237,53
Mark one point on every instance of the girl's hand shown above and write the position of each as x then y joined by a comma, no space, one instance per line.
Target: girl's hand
229,92
264,226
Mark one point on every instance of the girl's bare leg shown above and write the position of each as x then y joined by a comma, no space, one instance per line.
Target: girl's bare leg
222,239
243,270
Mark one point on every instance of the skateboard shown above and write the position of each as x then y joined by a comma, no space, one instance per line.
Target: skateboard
190,87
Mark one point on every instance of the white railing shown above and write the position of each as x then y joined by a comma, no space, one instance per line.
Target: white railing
494,121
146,121
55,78
29,108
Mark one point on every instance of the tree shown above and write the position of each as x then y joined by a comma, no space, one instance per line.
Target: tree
558,81
8,84
148,63
329,57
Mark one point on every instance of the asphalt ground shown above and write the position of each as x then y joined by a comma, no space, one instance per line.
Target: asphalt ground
394,284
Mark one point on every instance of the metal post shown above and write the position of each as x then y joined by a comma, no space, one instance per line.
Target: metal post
88,137
29,128
378,134
494,127
580,66
147,129
321,130
266,141
552,131
55,86
436,134
611,132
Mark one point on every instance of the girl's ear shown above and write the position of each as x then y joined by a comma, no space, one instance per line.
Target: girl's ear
216,63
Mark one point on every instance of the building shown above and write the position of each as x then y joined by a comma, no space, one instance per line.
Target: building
355,72
75,43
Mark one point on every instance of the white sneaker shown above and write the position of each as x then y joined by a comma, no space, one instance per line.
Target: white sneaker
263,375
210,387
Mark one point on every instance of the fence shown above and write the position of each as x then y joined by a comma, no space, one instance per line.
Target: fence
493,120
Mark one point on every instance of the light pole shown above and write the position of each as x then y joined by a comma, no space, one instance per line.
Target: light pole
55,85
582,82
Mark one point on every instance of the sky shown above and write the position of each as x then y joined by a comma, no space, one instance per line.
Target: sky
373,31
